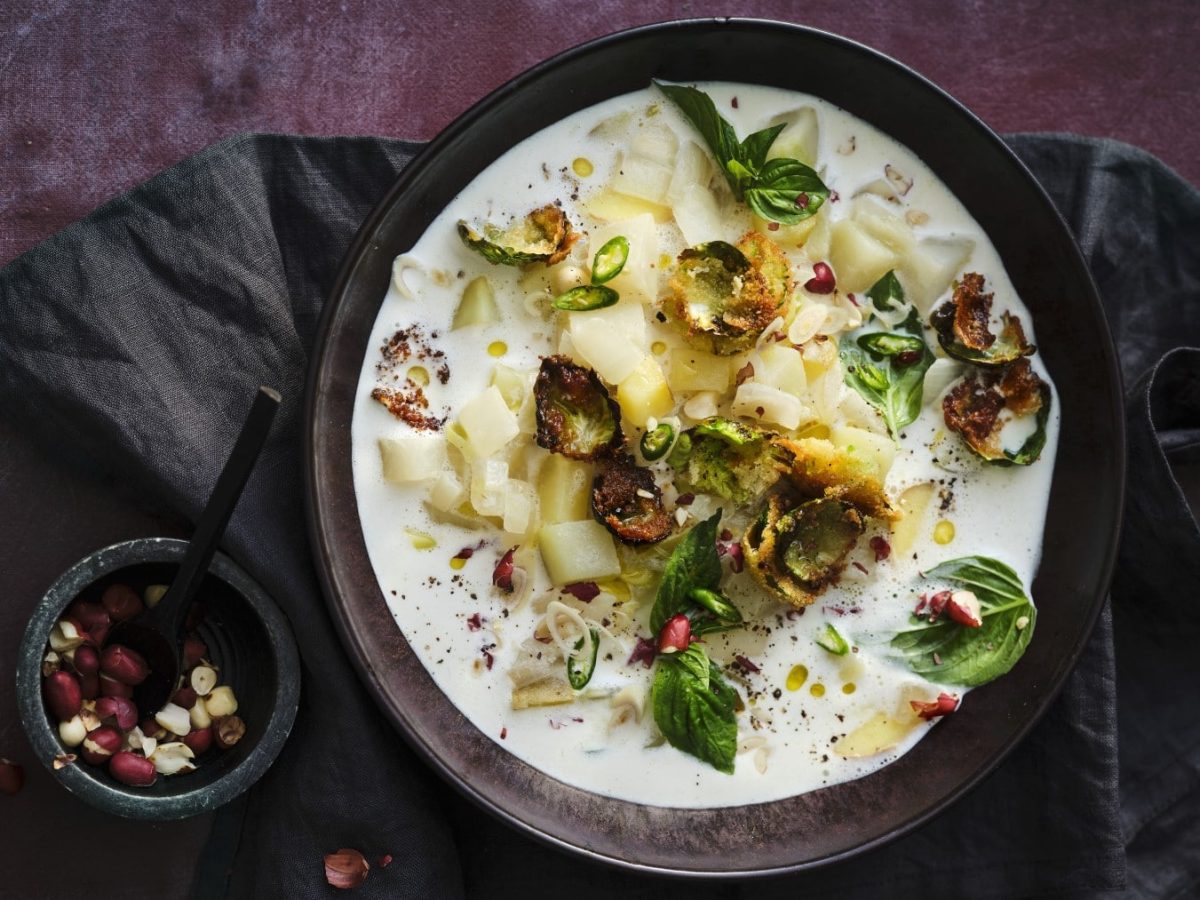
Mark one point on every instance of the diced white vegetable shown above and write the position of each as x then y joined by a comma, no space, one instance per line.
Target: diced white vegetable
520,507
513,384
782,367
657,143
940,376
698,215
692,370
412,458
578,551
884,225
807,322
768,404
604,347
447,492
702,405
816,241
825,392
858,259
564,487
644,394
478,305
692,168
639,279
609,206
927,272
858,412
625,318
877,451
799,139
488,423
642,178
565,276
489,484
795,235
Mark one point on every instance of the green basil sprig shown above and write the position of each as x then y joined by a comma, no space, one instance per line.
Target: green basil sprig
949,653
694,707
693,564
888,368
781,190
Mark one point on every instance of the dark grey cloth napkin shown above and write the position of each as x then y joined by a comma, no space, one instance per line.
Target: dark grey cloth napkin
139,334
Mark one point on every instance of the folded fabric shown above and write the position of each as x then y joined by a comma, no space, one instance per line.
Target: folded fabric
140,333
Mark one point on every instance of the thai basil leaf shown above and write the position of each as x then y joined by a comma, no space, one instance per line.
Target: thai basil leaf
693,564
894,385
786,191
781,190
950,653
700,110
694,707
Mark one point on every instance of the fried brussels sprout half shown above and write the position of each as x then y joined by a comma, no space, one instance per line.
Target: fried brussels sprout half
795,552
575,415
627,502
962,326
725,295
819,469
543,236
723,457
972,410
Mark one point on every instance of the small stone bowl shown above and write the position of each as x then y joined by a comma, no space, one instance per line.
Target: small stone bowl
248,639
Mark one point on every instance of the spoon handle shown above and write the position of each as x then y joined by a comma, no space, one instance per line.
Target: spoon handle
224,498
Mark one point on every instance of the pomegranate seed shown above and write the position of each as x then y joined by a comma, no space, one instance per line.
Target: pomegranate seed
822,281
676,634
907,358
881,547
931,709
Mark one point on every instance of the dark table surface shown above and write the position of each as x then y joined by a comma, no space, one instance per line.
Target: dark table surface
96,98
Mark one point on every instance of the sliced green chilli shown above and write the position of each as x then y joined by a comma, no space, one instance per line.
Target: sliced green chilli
829,638
586,297
891,344
716,603
610,259
656,442
578,675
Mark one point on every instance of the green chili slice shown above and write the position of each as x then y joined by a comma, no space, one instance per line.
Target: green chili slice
585,297
830,639
580,676
884,344
610,259
656,442
716,603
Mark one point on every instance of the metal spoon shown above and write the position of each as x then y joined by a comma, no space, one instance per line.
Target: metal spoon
158,633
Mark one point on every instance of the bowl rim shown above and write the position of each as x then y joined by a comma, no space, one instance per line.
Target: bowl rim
324,553
77,778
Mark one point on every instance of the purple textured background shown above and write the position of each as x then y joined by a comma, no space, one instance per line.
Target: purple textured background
96,97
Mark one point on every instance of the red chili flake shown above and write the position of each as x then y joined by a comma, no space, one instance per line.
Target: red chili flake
577,719
475,622
502,575
583,591
726,535
685,499
734,103
760,411
736,560
834,196
942,706
772,226
744,374
465,553
836,610
907,357
554,723
823,281
860,567
384,861
937,605
643,652
487,655
802,200
881,547
746,664
504,733
922,603
852,299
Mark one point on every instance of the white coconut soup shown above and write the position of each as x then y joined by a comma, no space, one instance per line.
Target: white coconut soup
806,716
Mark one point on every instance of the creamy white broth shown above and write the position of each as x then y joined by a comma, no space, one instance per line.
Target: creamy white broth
996,512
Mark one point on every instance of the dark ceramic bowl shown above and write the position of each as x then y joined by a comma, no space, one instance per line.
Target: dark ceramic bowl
1085,504
247,637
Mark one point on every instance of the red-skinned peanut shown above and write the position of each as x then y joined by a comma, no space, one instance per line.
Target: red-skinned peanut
199,740
185,697
125,665
120,710
63,695
132,769
99,746
194,650
86,660
121,602
676,634
110,687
